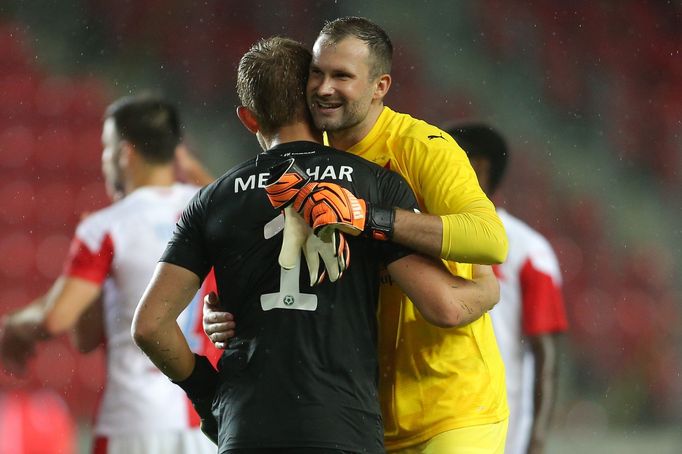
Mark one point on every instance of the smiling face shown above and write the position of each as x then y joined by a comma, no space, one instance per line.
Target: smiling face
340,88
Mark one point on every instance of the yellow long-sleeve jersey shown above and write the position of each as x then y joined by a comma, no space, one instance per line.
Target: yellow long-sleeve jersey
434,379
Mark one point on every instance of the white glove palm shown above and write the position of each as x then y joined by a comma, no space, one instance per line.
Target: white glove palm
298,235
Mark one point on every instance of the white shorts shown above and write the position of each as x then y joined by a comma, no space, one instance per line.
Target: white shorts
182,442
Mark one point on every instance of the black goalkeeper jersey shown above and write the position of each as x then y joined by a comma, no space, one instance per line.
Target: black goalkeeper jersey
302,370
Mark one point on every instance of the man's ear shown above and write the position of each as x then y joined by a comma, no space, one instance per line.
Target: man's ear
248,119
127,154
383,84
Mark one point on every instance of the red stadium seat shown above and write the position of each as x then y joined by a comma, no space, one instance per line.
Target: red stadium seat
17,201
54,204
50,253
17,91
16,146
17,251
54,149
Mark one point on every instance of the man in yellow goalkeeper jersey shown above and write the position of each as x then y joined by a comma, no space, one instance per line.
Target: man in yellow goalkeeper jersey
442,390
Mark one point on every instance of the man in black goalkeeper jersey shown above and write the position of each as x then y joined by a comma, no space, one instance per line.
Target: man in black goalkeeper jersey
301,374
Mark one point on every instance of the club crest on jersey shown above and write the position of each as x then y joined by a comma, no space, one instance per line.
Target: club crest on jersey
316,173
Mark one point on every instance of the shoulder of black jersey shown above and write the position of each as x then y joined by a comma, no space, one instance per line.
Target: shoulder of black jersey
234,171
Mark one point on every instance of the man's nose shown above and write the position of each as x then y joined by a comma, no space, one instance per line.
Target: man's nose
325,87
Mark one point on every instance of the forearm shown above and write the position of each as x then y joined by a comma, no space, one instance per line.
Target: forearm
473,237
545,389
67,300
28,324
465,238
155,329
443,299
475,296
88,334
419,231
167,348
190,168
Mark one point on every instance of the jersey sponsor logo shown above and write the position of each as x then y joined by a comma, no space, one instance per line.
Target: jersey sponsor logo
316,173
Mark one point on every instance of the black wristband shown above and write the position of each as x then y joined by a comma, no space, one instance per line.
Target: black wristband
203,380
379,224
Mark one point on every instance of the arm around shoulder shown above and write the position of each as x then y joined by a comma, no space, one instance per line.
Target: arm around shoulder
443,299
465,238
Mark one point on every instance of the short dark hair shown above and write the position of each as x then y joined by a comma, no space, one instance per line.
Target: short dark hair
271,82
482,141
149,123
377,40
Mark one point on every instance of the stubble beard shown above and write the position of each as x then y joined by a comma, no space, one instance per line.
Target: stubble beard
350,117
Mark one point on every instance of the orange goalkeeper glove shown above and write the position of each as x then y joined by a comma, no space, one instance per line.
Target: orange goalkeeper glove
298,235
327,207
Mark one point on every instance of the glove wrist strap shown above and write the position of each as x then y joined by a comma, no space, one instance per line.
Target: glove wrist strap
202,381
379,224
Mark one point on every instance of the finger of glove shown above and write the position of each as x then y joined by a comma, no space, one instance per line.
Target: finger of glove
303,195
327,251
312,258
332,204
323,275
284,188
295,233
325,197
342,252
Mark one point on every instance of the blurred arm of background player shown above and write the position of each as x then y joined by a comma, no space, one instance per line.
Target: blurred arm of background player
442,299
189,168
50,315
88,333
544,348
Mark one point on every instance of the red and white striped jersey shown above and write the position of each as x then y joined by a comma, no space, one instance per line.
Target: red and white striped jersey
531,304
119,247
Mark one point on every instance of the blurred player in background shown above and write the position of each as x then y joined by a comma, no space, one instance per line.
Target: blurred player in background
112,256
531,312
301,374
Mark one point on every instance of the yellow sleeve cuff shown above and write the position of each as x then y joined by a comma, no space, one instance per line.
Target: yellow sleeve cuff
474,238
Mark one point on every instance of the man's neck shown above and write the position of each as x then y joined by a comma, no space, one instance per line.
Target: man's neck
293,133
347,138
151,175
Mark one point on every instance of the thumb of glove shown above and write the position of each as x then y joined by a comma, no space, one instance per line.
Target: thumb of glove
295,234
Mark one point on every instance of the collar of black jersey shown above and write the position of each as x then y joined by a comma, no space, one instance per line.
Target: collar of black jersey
296,147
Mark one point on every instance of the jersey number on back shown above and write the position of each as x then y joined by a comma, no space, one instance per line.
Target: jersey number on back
289,295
